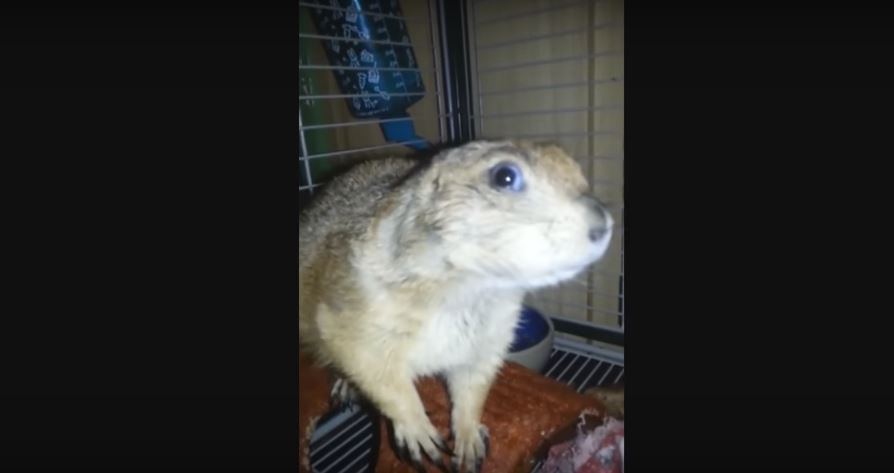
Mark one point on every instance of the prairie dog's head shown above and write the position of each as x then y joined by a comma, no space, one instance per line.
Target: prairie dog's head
517,213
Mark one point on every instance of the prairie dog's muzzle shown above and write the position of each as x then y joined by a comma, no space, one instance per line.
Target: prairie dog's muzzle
600,221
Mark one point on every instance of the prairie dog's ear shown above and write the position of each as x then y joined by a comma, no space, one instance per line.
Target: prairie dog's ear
436,184
441,156
476,145
452,154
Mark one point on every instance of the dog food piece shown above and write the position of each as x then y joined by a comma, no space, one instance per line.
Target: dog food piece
612,397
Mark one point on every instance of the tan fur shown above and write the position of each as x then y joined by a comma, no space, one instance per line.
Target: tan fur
408,272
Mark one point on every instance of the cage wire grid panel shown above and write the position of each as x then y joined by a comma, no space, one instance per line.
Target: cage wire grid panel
539,70
353,79
553,71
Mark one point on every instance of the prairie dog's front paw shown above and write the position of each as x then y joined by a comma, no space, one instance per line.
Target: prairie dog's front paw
412,439
470,448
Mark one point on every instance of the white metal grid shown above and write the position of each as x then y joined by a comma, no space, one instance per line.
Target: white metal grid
554,71
317,72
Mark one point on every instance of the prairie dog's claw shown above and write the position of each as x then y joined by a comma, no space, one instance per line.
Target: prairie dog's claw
417,440
471,449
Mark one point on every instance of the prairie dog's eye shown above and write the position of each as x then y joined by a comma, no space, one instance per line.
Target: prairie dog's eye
507,176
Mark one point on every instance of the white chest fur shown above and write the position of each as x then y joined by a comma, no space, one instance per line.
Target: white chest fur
476,329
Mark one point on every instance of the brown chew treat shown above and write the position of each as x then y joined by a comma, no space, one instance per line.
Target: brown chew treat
313,403
523,409
612,397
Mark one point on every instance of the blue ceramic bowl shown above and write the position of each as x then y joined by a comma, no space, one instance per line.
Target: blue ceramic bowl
533,340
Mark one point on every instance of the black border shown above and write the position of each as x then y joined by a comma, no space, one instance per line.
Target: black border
752,187
150,233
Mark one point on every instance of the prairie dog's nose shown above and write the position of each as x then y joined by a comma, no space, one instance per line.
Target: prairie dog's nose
602,223
595,205
600,230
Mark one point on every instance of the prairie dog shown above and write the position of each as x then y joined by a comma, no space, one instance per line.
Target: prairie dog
408,271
